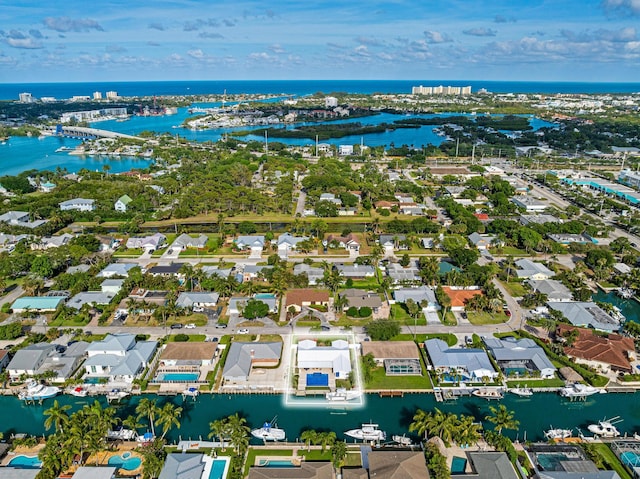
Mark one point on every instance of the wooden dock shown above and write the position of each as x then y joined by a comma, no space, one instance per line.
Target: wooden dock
391,394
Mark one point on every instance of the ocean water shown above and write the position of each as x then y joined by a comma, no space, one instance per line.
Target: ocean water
10,91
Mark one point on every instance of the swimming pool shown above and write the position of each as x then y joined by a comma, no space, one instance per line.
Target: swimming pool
178,377
217,469
126,461
630,458
25,462
549,461
276,463
458,465
264,296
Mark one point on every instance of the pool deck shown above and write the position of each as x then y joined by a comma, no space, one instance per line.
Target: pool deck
102,458
264,460
21,451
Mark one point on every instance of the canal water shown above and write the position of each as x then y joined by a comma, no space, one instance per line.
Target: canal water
394,415
630,308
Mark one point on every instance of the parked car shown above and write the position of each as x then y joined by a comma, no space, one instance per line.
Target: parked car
197,309
176,326
243,331
190,326
221,326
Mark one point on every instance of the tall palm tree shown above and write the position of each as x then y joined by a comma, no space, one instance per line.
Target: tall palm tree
326,439
421,424
148,408
168,417
57,416
238,432
219,429
502,418
187,271
309,436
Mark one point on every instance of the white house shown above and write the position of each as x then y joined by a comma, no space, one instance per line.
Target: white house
28,359
185,241
528,269
116,269
153,241
255,245
119,357
288,243
78,204
122,203
335,357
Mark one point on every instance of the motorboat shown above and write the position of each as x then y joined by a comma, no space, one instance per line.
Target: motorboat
522,391
368,432
269,431
78,391
557,433
122,434
487,394
606,427
116,395
578,390
342,394
402,440
36,391
190,392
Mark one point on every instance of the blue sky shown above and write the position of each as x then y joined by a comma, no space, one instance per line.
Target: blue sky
120,40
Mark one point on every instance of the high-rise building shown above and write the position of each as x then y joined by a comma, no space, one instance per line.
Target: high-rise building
112,95
330,102
25,98
97,95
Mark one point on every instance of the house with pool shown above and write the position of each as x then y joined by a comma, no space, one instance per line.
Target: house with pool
186,362
194,466
520,357
319,364
118,357
459,364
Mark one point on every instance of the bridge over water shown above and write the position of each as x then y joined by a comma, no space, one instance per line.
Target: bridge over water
85,133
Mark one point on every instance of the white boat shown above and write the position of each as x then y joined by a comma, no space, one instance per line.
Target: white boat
78,391
269,431
342,395
122,434
402,440
606,427
625,293
191,392
368,432
487,394
558,433
578,390
36,391
522,391
116,395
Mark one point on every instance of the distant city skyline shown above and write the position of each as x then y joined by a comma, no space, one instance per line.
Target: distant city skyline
117,40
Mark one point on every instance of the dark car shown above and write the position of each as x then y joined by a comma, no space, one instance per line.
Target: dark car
176,326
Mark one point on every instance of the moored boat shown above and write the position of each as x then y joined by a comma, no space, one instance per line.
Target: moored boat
402,440
78,391
269,431
556,433
36,391
606,427
368,432
578,390
342,395
190,392
116,395
487,394
522,391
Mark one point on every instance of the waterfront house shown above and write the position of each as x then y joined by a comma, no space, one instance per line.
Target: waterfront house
459,364
243,357
90,472
288,243
185,241
187,357
194,300
119,357
122,203
116,269
4,358
10,472
587,314
355,271
28,359
64,363
253,244
37,304
520,356
399,358
183,466
555,290
527,269
396,464
333,359
150,242
306,470
614,352
315,275
20,218
331,198
78,204
299,298
492,465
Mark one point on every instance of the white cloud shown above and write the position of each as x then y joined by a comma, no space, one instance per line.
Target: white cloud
197,53
480,32
66,24
623,7
436,37
25,43
276,48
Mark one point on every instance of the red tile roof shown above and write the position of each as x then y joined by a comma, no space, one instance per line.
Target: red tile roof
298,296
459,297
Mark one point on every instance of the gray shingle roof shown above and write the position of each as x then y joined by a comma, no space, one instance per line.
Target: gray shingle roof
238,363
182,466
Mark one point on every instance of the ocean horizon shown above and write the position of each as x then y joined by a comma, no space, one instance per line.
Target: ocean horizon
65,90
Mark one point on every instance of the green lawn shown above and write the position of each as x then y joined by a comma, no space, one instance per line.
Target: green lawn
193,338
73,321
448,338
380,380
128,253
315,454
610,460
353,459
508,251
515,288
482,317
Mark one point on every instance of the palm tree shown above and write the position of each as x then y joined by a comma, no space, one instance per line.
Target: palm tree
238,432
326,439
309,436
169,416
57,416
218,428
502,418
187,271
422,423
338,453
468,431
339,303
148,408
132,422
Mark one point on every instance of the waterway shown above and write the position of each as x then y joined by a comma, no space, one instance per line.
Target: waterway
630,308
394,415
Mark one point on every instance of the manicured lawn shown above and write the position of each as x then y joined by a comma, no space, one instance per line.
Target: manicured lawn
486,318
508,251
610,460
450,319
73,321
305,323
380,380
515,288
193,338
368,284
270,337
316,454
353,459
127,253
448,338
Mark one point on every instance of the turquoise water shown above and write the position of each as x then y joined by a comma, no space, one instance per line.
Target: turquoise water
550,461
630,307
92,380
275,463
264,296
178,377
630,458
393,414
458,465
125,462
217,470
26,462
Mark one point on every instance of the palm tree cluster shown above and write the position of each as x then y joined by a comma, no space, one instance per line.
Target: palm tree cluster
166,416
232,429
447,426
324,438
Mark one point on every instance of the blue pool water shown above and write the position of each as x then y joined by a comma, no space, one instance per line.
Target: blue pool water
551,461
26,462
125,462
217,470
317,379
92,380
630,458
264,296
458,465
178,377
275,463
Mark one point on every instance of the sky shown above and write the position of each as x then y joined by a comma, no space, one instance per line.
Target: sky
144,40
